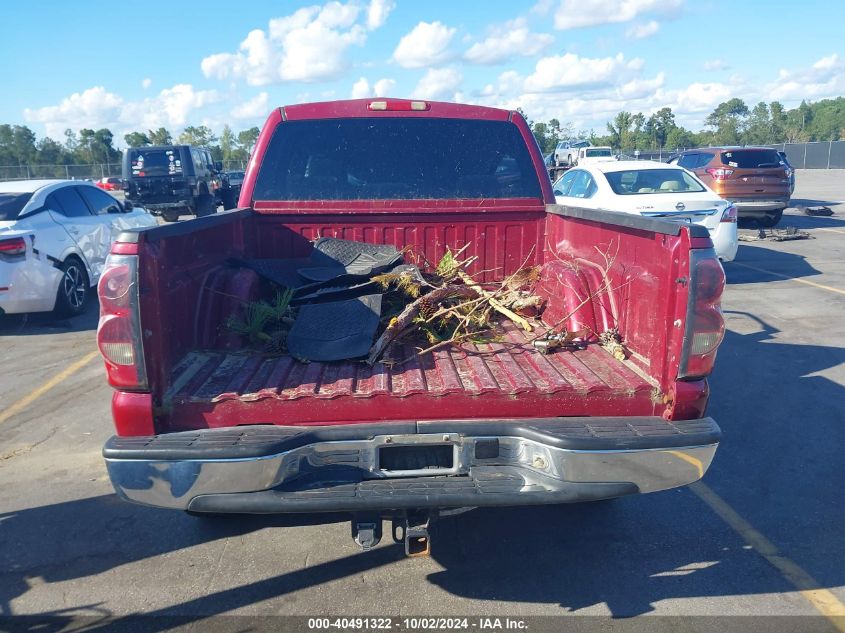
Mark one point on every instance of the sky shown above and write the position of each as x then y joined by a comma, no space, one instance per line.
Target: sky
137,66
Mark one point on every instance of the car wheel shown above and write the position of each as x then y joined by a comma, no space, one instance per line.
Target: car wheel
770,219
72,296
204,204
170,215
230,200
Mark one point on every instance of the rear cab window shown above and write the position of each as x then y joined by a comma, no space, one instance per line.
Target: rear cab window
155,162
593,153
752,158
396,158
649,181
11,204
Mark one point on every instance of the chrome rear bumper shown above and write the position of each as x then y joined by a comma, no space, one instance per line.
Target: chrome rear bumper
322,469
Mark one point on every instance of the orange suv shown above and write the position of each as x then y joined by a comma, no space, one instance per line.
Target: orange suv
754,179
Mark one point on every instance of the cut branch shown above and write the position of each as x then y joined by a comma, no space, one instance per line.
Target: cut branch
496,305
405,318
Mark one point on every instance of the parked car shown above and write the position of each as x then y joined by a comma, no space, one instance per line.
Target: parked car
790,172
54,239
589,155
110,184
230,188
654,190
567,151
755,179
171,180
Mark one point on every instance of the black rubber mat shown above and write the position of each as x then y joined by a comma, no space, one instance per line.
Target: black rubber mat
336,330
333,257
281,271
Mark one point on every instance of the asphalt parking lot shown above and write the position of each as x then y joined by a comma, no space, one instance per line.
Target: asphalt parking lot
761,535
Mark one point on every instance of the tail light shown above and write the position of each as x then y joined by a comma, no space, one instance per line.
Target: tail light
119,330
729,214
14,247
719,173
705,327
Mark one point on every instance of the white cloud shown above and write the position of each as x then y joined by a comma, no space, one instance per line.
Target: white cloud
378,11
824,79
643,30
507,41
438,83
574,14
254,108
701,97
309,45
715,64
639,88
561,72
361,89
383,87
96,108
427,44
146,83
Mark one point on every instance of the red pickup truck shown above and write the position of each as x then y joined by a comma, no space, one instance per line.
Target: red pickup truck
208,428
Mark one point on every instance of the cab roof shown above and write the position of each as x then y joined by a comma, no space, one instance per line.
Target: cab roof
352,108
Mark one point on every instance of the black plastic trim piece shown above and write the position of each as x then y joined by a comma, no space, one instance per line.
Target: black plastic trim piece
183,228
594,434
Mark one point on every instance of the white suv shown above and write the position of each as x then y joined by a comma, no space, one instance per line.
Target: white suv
566,152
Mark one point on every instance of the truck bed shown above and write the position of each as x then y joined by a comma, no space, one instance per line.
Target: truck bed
511,375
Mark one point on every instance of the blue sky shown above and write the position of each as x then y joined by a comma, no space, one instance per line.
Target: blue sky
129,66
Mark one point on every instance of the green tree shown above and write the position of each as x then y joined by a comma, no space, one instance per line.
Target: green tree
228,144
136,139
621,131
758,130
247,139
160,137
197,135
658,126
728,121
680,138
50,152
17,145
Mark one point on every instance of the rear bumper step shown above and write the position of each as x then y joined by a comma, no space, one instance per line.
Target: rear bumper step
270,469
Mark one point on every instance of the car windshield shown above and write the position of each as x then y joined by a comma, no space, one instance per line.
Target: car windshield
593,153
752,158
155,162
646,181
368,158
11,205
235,177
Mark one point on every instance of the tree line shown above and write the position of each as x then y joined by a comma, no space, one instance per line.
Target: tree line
20,146
731,123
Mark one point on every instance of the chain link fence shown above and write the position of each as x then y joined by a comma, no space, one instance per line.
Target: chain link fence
819,155
81,172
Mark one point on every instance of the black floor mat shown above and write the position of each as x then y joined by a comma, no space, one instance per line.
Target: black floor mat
337,330
333,257
280,271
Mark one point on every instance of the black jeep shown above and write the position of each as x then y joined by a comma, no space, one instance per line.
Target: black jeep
170,180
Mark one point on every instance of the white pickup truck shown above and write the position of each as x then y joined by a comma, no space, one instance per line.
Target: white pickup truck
589,155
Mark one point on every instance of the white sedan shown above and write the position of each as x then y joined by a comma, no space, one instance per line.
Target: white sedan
655,190
54,239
